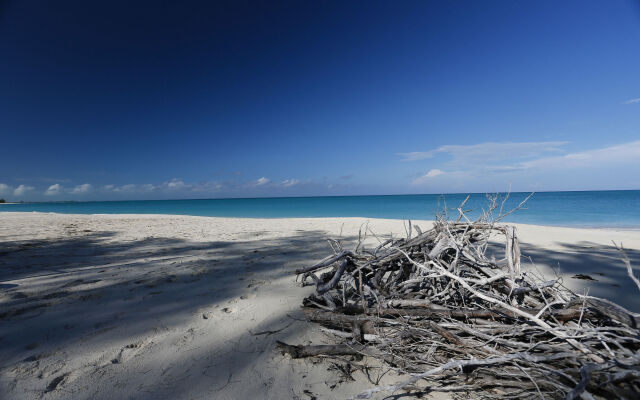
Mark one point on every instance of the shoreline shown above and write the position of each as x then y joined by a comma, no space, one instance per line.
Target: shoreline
580,209
578,227
160,305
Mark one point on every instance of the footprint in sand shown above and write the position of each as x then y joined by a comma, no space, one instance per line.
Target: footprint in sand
59,381
126,353
56,382
257,283
207,315
186,338
228,310
129,351
37,357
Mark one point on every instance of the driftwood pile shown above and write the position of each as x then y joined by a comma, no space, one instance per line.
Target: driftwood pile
438,308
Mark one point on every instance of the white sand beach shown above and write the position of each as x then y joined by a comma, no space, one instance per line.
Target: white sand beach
181,307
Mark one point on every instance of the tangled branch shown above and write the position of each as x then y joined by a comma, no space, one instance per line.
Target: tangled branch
436,307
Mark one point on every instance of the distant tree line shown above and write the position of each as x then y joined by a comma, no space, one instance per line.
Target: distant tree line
2,201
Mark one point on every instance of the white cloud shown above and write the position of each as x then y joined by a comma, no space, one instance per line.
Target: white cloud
173,188
432,173
618,154
632,101
262,181
176,184
22,190
290,182
132,188
494,151
53,190
82,189
615,166
207,187
179,185
125,188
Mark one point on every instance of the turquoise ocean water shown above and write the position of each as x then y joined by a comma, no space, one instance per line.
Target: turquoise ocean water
605,209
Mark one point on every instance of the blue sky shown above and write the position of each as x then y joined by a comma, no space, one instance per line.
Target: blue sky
244,99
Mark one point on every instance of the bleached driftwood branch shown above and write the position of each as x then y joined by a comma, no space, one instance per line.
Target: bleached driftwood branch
436,307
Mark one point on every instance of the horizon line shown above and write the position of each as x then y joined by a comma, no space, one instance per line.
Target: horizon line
321,196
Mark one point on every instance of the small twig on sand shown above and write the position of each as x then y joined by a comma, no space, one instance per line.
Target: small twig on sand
627,263
271,332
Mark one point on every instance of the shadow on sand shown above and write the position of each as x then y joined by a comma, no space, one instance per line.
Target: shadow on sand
586,266
98,317
85,307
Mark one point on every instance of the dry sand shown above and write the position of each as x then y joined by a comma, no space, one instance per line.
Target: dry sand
155,306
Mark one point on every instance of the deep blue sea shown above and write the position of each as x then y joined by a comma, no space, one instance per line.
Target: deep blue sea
603,209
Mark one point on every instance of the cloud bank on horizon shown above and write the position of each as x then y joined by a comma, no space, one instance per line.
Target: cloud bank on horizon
525,166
